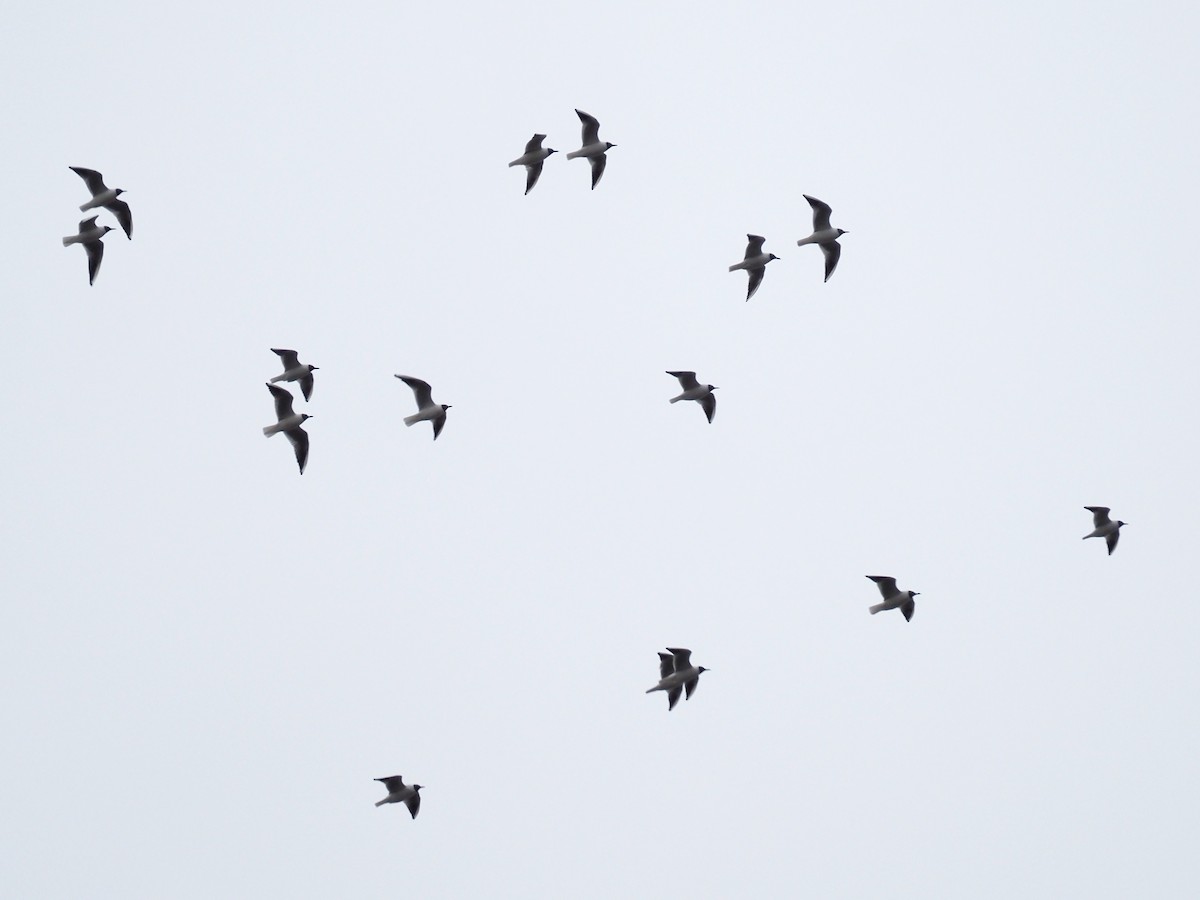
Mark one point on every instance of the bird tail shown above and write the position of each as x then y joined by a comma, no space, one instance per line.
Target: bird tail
676,399
652,690
66,242
270,430
515,162
878,607
412,420
803,241
733,268
381,802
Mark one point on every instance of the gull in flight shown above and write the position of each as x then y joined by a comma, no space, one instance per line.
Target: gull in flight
106,197
293,371
694,390
1104,527
427,410
289,423
755,263
824,235
593,148
532,160
894,598
89,235
676,673
399,792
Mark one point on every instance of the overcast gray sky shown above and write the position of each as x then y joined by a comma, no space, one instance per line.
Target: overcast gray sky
207,657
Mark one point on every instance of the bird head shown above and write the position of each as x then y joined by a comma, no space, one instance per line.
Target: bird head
772,256
1120,523
417,787
304,417
107,229
549,151
842,231
713,387
608,146
702,669
313,368
914,593
445,406
118,192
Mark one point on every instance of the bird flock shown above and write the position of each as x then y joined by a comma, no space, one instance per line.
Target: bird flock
678,675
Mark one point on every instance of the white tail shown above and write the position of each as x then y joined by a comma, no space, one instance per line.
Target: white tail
67,242
878,607
381,802
412,420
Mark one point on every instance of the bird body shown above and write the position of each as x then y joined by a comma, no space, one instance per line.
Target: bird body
824,234
694,390
89,235
294,371
755,262
399,792
532,159
893,597
1104,527
677,674
106,197
289,423
427,410
593,149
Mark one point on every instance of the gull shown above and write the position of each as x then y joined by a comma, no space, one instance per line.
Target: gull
694,390
89,235
289,423
893,598
293,371
824,234
755,263
427,410
593,148
106,197
1104,527
399,792
532,160
676,673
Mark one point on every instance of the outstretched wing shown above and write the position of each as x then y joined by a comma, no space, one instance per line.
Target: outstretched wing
95,254
438,424
821,213
120,209
421,389
887,585
393,783
291,359
598,164
673,696
756,277
591,128
283,401
414,804
754,248
908,608
535,143
93,179
299,438
709,404
1099,514
833,252
683,658
306,386
87,224
666,665
1111,540
533,172
687,380
691,686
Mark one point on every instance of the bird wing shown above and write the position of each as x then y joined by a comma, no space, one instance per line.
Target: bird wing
95,253
683,658
533,172
666,665
887,585
306,386
591,128
393,783
821,213
535,143
908,608
754,248
687,380
1111,540
87,224
1099,515
422,390
299,438
414,804
93,179
690,685
598,164
709,404
438,424
291,359
756,277
283,401
673,696
120,209
833,252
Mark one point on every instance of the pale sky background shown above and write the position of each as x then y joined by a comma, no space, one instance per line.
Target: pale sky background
207,657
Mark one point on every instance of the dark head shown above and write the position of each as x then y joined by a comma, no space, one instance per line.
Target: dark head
773,256
549,151
417,787
702,669
118,192
608,146
713,387
1120,524
842,231
304,417
914,593
445,406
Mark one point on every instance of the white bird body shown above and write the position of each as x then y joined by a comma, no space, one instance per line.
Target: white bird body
104,196
89,235
592,148
755,263
893,597
533,157
294,371
289,423
677,674
1104,527
824,234
694,390
427,410
399,792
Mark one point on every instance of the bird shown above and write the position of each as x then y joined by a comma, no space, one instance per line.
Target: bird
755,263
593,148
89,235
1104,527
293,371
427,410
676,673
893,598
289,423
399,792
106,197
694,390
824,235
533,157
